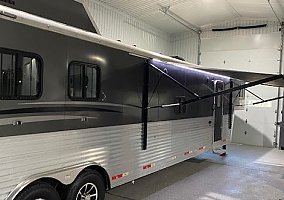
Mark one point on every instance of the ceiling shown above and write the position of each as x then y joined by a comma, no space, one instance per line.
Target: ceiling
199,13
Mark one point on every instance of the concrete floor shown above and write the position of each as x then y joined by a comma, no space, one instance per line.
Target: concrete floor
247,173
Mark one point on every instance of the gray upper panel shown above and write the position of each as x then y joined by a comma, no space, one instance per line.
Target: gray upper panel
65,11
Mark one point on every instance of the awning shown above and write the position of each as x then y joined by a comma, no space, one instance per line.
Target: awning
248,76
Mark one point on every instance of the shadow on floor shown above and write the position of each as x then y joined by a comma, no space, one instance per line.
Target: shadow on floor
245,174
148,185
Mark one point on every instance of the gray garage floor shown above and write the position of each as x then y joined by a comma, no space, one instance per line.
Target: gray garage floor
247,173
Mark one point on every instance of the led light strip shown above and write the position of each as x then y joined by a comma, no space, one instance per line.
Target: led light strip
193,68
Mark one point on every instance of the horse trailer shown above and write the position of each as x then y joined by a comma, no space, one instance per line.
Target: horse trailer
81,114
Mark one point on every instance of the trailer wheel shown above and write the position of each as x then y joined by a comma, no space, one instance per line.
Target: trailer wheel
88,186
39,191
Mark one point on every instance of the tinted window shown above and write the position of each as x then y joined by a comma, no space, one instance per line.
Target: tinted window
76,81
29,79
20,75
91,82
8,75
83,81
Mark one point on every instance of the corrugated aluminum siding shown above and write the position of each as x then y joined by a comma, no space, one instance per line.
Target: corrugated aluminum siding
116,148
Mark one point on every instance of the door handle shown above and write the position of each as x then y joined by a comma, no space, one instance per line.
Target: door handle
104,96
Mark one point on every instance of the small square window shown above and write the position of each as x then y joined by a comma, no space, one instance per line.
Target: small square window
84,81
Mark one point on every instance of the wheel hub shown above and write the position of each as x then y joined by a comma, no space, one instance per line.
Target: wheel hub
88,191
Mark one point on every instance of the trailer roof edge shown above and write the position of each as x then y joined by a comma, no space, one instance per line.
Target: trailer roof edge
22,17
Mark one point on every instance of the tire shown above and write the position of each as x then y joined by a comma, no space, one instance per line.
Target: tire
39,190
87,185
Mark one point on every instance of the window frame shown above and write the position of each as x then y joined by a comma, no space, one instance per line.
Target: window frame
98,81
19,55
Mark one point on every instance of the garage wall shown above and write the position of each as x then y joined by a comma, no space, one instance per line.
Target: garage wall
255,50
116,25
185,45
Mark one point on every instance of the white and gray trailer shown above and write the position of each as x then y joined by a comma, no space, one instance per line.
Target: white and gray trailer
81,114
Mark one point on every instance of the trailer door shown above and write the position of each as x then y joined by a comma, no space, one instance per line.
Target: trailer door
218,112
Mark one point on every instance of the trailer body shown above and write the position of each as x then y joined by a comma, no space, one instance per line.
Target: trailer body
69,103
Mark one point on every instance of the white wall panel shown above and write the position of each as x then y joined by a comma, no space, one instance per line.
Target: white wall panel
251,60
255,53
116,25
255,125
242,42
185,45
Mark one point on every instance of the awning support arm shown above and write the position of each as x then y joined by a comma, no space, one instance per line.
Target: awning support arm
241,87
211,90
268,100
145,104
254,94
236,97
175,81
